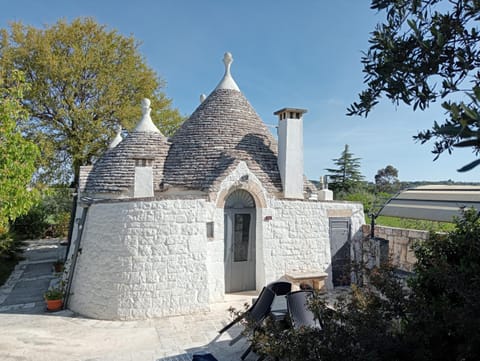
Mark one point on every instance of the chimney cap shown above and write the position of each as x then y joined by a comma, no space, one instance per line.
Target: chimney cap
293,110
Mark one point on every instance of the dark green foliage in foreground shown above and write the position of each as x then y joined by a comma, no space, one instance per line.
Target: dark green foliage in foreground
436,318
447,293
10,254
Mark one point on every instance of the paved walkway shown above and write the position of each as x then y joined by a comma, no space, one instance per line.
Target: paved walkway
28,332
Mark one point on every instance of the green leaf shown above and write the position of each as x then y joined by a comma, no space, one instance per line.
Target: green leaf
472,114
468,143
469,166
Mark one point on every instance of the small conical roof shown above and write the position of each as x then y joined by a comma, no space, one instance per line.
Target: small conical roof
114,172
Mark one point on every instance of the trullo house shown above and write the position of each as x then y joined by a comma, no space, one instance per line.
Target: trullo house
169,226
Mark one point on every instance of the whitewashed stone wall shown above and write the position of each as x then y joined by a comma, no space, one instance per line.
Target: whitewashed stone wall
143,259
297,238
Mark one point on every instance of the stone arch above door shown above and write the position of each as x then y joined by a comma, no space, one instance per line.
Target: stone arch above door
240,199
252,189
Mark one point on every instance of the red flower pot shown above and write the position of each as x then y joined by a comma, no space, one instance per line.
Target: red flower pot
54,305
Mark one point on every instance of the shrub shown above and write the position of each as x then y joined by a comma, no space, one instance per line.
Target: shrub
49,217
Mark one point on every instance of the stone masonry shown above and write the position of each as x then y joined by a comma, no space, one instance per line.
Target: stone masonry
400,243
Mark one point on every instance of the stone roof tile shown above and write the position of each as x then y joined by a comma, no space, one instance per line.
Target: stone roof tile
114,172
223,130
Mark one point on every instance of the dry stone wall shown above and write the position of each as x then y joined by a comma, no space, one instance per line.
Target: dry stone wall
400,243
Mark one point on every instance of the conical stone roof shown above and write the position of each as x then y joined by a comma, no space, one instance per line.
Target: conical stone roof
222,131
114,172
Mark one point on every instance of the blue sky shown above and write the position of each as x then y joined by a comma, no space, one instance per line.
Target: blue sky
303,54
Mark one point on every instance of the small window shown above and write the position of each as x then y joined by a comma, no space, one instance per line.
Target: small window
143,162
241,237
210,233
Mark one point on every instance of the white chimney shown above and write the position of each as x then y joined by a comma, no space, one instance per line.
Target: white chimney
143,182
290,151
324,194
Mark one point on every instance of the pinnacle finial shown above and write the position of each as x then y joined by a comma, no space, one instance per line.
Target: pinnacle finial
146,123
227,82
118,138
227,60
146,106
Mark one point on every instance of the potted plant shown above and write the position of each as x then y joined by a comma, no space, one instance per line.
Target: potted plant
54,298
58,266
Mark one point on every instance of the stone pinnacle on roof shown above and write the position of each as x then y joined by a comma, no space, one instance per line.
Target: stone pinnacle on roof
118,138
146,123
227,82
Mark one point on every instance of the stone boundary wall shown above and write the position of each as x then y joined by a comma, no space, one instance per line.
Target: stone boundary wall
400,243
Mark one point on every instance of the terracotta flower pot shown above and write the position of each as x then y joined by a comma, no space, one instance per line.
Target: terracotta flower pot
54,305
58,266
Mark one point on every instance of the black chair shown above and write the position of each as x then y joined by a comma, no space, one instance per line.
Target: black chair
257,312
300,313
280,288
204,357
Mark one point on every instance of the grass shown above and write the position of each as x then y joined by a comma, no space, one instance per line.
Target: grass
417,224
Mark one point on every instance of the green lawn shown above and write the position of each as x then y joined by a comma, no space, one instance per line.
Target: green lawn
412,224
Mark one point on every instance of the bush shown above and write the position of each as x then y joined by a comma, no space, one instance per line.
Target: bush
48,218
10,254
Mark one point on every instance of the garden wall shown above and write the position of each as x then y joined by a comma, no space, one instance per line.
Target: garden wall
400,243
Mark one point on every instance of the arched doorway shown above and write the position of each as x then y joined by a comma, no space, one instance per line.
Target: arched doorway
239,254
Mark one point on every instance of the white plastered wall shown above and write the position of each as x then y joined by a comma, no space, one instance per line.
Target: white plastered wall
143,259
291,235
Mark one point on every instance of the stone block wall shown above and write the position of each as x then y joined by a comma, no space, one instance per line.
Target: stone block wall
400,243
298,237
142,260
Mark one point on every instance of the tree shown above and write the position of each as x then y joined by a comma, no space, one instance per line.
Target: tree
17,154
445,293
386,179
425,51
347,175
85,81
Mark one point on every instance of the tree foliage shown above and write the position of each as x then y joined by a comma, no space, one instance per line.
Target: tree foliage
386,179
446,290
428,50
346,176
85,81
17,154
